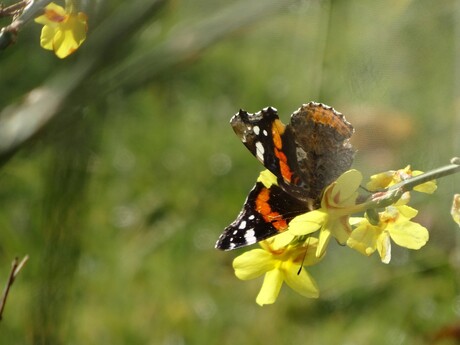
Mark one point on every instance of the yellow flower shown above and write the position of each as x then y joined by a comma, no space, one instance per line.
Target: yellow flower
455,211
63,31
392,177
394,224
280,264
337,204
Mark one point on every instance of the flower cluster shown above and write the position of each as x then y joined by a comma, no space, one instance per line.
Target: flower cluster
386,218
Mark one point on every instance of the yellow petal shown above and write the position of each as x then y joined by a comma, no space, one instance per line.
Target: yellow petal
344,189
271,287
310,246
47,37
71,35
323,241
52,16
253,263
307,223
339,228
44,20
380,181
56,8
384,247
302,283
267,178
408,234
65,45
455,211
407,211
61,43
364,238
427,187
282,240
78,26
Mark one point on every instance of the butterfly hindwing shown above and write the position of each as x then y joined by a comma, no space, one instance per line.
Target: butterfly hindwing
323,150
266,212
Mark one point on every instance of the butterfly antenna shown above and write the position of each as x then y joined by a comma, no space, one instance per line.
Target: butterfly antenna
303,260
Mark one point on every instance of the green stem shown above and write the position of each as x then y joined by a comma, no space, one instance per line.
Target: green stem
392,194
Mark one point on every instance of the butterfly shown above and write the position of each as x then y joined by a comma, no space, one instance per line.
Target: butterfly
305,156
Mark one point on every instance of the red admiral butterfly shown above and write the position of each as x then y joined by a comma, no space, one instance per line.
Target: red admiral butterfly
308,154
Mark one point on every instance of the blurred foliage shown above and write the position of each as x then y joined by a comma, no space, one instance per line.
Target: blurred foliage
120,198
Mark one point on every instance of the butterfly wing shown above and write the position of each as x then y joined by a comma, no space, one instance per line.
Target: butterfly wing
266,212
269,141
323,149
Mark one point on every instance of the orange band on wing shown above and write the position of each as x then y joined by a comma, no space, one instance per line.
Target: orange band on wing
286,172
277,130
263,207
330,118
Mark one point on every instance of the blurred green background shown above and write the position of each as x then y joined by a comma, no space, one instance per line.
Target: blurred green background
120,198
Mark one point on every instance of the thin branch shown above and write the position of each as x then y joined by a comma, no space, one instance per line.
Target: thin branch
392,194
15,268
409,184
30,10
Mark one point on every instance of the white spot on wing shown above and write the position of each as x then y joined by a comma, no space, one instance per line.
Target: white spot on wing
256,130
260,151
265,132
251,217
242,225
250,237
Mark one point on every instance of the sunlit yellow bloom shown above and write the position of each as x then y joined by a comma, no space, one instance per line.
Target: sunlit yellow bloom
394,224
63,31
455,211
337,204
279,264
392,177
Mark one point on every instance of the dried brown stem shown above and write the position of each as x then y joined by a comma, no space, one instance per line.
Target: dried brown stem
16,266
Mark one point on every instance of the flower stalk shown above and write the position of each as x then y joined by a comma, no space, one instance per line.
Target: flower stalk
408,185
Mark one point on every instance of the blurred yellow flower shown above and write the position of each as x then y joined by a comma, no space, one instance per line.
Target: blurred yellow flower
455,211
280,264
394,224
337,204
63,31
